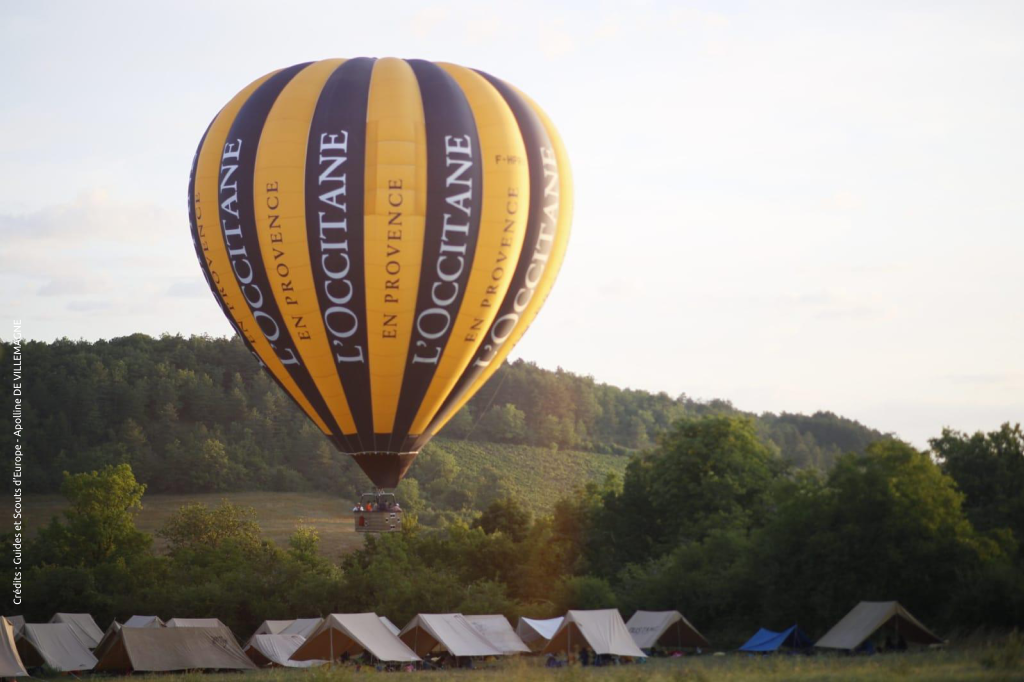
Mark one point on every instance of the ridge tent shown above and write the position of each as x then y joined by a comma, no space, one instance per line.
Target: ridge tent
448,631
108,638
354,633
498,631
143,622
664,628
537,632
55,645
168,649
10,661
18,622
195,623
602,630
868,617
768,640
268,651
389,625
83,625
302,627
272,627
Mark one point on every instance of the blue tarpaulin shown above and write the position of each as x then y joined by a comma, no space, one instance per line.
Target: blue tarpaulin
769,640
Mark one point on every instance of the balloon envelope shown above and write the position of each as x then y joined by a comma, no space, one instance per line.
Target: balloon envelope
380,233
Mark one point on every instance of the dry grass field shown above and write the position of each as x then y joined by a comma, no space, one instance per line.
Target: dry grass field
278,514
978,663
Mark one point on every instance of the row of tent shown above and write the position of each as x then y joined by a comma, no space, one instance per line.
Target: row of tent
74,642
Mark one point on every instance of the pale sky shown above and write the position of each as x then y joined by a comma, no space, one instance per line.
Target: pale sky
790,205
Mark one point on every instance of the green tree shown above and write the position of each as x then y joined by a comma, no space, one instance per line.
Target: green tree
99,526
196,526
506,515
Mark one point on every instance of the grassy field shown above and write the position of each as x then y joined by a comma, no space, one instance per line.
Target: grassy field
278,514
537,476
935,666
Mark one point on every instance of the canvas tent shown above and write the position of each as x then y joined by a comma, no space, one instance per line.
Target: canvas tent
10,661
448,631
537,632
168,649
303,627
602,631
268,651
83,625
55,645
108,638
868,617
18,622
765,640
354,633
390,626
143,622
498,631
272,627
195,623
664,628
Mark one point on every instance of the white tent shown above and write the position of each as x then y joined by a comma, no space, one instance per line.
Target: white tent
302,627
18,622
272,627
531,630
667,628
10,661
144,622
354,633
603,631
195,623
449,631
498,631
83,625
267,651
867,617
390,626
55,645
167,649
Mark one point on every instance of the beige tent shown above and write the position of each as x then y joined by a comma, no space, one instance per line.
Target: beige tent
664,628
498,631
869,616
303,627
167,649
108,638
55,645
10,661
448,631
83,625
390,626
195,623
354,633
601,631
18,622
144,622
268,651
536,633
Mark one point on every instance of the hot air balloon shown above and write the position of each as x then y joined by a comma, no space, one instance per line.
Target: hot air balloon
380,233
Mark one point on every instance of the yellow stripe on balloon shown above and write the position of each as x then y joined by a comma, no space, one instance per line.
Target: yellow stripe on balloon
555,258
279,193
211,241
395,208
506,202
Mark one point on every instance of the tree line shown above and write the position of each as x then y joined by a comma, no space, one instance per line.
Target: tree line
710,521
197,415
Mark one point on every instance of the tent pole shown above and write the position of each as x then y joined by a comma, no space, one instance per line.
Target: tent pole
332,648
